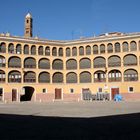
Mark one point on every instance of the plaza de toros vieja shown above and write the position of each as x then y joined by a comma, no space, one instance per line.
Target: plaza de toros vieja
94,68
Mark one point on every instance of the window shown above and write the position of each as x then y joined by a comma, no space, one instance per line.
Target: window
130,89
71,90
44,90
99,90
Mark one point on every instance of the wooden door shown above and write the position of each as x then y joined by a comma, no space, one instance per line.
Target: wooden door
114,91
58,93
14,94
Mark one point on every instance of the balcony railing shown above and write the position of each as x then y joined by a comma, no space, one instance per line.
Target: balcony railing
29,80
100,66
15,80
114,64
2,80
115,79
29,66
2,64
99,80
130,78
130,64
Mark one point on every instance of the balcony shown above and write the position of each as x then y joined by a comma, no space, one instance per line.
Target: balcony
100,66
100,80
115,79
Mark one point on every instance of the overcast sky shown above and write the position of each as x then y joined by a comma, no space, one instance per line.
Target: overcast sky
70,19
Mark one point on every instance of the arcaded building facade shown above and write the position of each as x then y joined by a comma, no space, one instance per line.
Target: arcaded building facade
48,70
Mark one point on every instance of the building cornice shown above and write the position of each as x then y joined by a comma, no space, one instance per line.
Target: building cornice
90,40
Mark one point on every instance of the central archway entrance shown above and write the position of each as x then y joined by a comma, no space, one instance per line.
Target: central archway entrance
27,93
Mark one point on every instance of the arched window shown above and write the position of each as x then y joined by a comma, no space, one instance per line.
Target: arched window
125,47
99,76
14,62
40,50
18,49
60,51
95,49
2,47
114,76
71,77
68,53
110,48
47,51
102,48
57,64
29,63
114,61
44,77
2,61
2,76
130,75
44,63
130,60
74,51
33,50
85,63
81,50
99,62
14,77
88,50
133,46
71,64
57,77
85,77
54,51
26,49
117,47
30,77
11,48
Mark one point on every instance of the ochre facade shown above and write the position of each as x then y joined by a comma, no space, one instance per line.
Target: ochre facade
47,70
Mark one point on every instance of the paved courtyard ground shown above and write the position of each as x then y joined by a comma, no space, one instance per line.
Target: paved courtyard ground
70,120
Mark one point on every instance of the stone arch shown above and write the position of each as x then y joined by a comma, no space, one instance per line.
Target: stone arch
57,77
130,75
85,77
3,47
114,76
33,50
85,63
71,77
57,64
114,61
44,77
81,50
29,62
40,50
44,63
11,48
14,77
30,77
14,62
130,60
26,49
71,64
99,62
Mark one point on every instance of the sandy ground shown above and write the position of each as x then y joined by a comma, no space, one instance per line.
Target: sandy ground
64,120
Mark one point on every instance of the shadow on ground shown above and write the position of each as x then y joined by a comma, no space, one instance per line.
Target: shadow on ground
120,127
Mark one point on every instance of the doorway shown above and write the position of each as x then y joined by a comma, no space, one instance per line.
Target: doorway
27,93
1,94
86,93
114,91
58,93
14,95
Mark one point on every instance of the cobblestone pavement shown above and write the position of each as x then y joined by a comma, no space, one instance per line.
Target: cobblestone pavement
70,109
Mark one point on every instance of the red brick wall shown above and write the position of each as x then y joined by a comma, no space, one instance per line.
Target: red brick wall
71,97
131,96
42,97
